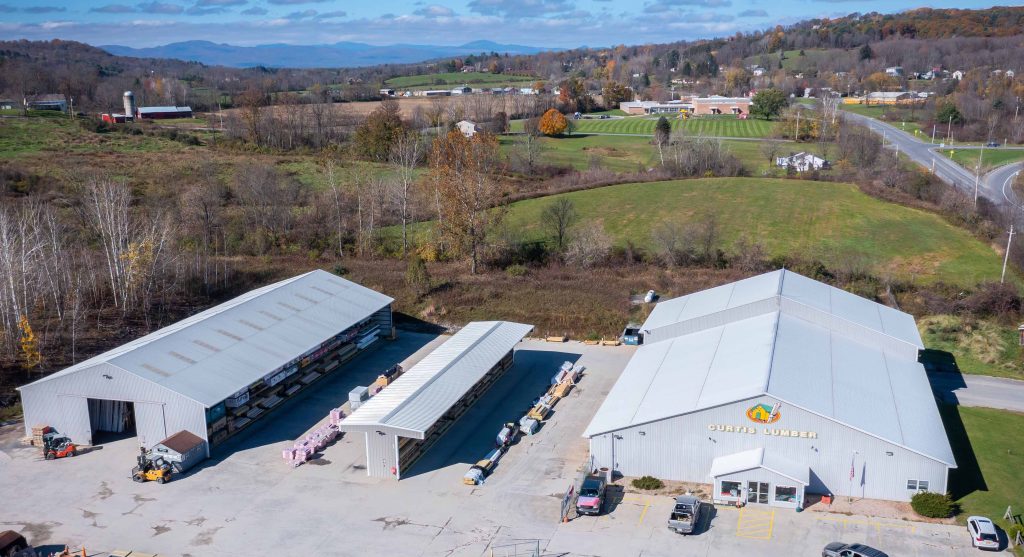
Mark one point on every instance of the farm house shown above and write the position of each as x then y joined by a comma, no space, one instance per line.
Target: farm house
773,387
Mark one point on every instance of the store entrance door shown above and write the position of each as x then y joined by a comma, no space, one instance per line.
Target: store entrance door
757,492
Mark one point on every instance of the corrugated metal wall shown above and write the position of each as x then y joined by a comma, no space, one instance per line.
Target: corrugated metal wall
381,454
62,402
683,447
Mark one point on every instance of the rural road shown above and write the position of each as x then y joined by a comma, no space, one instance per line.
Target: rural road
979,390
994,185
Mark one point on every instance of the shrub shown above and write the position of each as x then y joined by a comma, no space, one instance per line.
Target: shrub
516,270
932,505
648,482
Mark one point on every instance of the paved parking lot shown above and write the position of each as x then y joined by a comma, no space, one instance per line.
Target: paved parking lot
247,501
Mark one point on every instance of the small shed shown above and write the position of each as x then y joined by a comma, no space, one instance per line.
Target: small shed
467,128
182,450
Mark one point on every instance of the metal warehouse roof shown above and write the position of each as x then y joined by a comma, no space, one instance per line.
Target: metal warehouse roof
421,395
792,287
151,109
826,362
760,458
212,355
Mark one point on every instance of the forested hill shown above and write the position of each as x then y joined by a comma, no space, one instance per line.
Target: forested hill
924,23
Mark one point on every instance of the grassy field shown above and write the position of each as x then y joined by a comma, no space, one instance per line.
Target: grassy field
644,125
628,153
903,118
981,347
986,444
428,81
832,222
24,136
968,158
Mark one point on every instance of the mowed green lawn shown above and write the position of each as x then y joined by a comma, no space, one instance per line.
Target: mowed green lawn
832,222
455,78
989,460
968,158
623,153
726,126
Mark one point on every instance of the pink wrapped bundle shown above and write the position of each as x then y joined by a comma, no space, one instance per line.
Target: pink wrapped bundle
288,454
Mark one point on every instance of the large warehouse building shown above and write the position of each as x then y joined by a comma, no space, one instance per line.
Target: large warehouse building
405,419
216,372
774,386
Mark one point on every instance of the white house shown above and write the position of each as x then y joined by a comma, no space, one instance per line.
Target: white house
958,75
802,162
894,71
467,128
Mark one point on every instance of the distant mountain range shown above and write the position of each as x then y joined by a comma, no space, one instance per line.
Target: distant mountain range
337,55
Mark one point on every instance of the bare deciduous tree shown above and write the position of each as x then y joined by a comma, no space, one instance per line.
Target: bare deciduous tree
558,218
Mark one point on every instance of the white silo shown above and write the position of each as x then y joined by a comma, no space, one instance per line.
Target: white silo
129,105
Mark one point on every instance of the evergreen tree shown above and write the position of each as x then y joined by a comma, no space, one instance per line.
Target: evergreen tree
866,53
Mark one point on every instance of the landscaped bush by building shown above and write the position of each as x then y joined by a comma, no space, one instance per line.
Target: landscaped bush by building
932,505
648,482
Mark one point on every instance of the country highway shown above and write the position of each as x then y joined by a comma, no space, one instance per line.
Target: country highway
979,390
995,185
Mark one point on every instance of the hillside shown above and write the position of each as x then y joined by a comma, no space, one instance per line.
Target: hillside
337,55
834,223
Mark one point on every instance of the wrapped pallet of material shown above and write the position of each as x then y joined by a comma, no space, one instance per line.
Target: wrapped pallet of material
577,372
562,389
529,425
474,476
358,396
540,412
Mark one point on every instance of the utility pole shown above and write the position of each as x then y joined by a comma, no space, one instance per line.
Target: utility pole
949,130
1006,256
933,134
796,136
977,176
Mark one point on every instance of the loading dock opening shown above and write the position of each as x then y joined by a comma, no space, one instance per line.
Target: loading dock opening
111,419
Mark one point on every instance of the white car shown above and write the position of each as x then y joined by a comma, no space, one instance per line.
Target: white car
983,533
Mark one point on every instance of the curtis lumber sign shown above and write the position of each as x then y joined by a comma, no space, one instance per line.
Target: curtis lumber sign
772,431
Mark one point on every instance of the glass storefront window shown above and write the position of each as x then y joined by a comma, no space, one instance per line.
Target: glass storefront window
731,489
785,494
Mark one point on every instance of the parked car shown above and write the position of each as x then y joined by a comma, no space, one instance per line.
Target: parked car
983,533
840,549
686,514
992,144
591,497
12,543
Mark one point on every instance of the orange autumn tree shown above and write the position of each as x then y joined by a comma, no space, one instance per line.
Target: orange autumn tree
552,123
468,197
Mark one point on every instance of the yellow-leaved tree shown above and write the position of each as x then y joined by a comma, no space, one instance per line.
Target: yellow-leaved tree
552,123
30,355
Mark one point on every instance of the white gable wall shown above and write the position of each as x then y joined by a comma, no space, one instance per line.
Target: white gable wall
682,448
62,402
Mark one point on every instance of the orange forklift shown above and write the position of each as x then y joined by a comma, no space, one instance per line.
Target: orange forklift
56,446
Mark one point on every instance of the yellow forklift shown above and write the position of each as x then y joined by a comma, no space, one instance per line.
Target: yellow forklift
150,469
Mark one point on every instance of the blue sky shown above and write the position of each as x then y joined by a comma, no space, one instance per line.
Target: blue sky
553,23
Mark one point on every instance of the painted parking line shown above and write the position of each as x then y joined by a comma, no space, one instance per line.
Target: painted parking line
643,513
756,524
878,526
